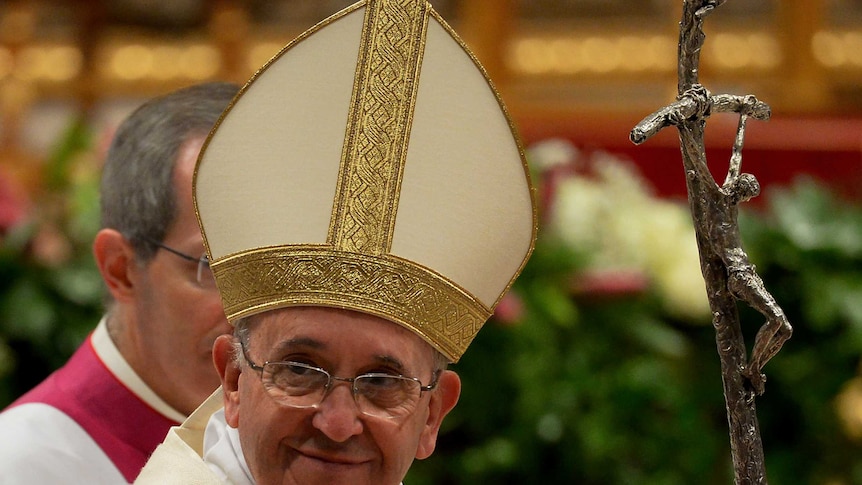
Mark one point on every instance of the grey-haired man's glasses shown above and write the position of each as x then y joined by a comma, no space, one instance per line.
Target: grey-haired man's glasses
299,385
204,274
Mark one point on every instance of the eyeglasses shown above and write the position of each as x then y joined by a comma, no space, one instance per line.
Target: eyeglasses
205,278
304,386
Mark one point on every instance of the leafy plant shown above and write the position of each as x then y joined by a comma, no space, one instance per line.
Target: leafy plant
614,387
50,290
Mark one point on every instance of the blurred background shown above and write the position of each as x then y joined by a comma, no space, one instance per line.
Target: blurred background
600,366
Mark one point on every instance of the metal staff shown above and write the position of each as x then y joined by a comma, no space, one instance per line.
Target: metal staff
727,272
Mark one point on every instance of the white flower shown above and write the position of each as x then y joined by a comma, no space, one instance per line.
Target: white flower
614,217
551,153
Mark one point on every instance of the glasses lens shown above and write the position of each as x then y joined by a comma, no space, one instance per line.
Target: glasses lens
295,384
205,273
386,396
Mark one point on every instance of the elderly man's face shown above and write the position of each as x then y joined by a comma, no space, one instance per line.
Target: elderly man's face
333,442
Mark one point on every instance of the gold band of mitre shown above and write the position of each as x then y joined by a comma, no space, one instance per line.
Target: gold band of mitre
443,314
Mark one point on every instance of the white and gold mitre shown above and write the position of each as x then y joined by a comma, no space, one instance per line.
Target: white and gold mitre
370,165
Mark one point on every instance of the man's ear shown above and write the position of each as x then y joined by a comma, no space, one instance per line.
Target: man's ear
115,259
443,399
229,372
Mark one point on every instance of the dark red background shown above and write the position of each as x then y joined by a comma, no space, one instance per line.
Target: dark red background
776,151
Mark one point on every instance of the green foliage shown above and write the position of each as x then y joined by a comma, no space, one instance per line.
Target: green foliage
50,290
611,389
809,251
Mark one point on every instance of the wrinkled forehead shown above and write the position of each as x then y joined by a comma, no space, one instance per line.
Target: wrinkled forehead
345,335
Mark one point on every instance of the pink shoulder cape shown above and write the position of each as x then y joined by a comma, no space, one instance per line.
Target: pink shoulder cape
126,428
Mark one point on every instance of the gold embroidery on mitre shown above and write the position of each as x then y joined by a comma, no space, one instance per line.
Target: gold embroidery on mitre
393,288
378,125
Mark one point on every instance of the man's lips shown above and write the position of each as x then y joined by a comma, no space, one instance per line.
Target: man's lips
332,458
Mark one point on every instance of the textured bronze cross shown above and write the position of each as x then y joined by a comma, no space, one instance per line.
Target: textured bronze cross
727,271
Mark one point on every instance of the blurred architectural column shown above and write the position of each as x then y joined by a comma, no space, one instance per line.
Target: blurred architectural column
805,87
16,94
487,28
228,28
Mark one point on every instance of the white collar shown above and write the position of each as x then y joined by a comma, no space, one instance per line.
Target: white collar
111,357
223,453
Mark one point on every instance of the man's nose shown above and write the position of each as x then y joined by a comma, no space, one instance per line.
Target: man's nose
337,416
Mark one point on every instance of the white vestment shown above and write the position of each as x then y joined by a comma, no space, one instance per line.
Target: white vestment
223,452
42,443
179,459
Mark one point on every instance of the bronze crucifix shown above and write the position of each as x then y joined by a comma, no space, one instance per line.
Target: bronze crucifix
727,271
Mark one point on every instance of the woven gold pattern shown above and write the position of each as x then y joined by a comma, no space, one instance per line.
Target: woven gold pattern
383,285
378,125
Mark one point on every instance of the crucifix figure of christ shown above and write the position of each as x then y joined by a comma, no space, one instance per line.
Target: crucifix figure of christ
727,271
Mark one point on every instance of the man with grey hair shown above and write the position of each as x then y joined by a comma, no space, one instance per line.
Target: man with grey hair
365,205
98,418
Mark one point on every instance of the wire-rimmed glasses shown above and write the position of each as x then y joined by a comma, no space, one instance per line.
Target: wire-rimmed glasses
299,385
204,275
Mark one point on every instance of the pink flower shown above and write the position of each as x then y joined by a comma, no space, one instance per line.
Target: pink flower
614,282
14,205
509,310
51,247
